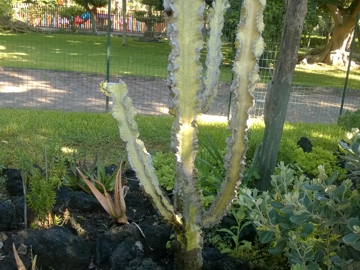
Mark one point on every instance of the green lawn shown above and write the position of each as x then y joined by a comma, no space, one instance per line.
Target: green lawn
87,53
27,132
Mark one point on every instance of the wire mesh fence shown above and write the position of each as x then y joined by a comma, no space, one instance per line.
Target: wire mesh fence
63,72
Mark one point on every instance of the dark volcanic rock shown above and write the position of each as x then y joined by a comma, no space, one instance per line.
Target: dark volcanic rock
13,182
56,248
8,217
213,259
84,202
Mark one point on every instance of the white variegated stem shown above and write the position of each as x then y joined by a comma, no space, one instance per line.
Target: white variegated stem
249,46
185,71
214,55
124,112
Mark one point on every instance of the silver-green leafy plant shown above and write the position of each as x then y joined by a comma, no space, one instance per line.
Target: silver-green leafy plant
315,223
192,94
351,149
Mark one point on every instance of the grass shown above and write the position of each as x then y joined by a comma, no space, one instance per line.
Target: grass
27,132
333,76
87,53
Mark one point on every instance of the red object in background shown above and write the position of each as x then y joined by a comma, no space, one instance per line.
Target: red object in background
78,21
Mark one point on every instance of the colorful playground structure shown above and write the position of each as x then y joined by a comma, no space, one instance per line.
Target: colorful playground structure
83,18
43,16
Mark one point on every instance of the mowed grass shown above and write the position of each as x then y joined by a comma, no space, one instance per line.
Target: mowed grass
88,53
26,132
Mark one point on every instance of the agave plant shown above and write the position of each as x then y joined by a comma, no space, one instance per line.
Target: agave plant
19,262
94,170
115,207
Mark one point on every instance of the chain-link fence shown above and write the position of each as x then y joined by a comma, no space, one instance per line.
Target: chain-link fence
62,71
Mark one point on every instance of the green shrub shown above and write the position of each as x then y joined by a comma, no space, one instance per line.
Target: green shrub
315,223
43,183
164,165
350,120
210,167
309,162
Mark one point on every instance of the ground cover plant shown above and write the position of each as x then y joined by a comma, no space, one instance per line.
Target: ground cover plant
71,52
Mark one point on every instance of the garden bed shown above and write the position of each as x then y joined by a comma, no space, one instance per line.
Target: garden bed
87,238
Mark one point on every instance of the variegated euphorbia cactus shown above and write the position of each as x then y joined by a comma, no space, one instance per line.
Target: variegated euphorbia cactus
192,95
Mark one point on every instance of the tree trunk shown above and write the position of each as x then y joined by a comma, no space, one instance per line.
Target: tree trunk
277,96
334,52
93,20
124,40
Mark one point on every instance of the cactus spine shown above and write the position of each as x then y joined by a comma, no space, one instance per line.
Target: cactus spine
192,94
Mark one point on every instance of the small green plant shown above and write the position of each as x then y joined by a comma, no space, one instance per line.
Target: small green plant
164,165
351,148
314,222
211,169
209,164
94,170
239,213
350,120
115,207
40,184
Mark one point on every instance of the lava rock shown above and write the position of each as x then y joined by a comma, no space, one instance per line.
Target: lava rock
56,248
305,144
156,238
123,247
108,242
63,196
8,217
76,200
13,182
19,205
84,202
214,259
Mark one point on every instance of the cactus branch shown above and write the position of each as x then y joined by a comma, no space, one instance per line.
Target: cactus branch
214,55
139,158
249,46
